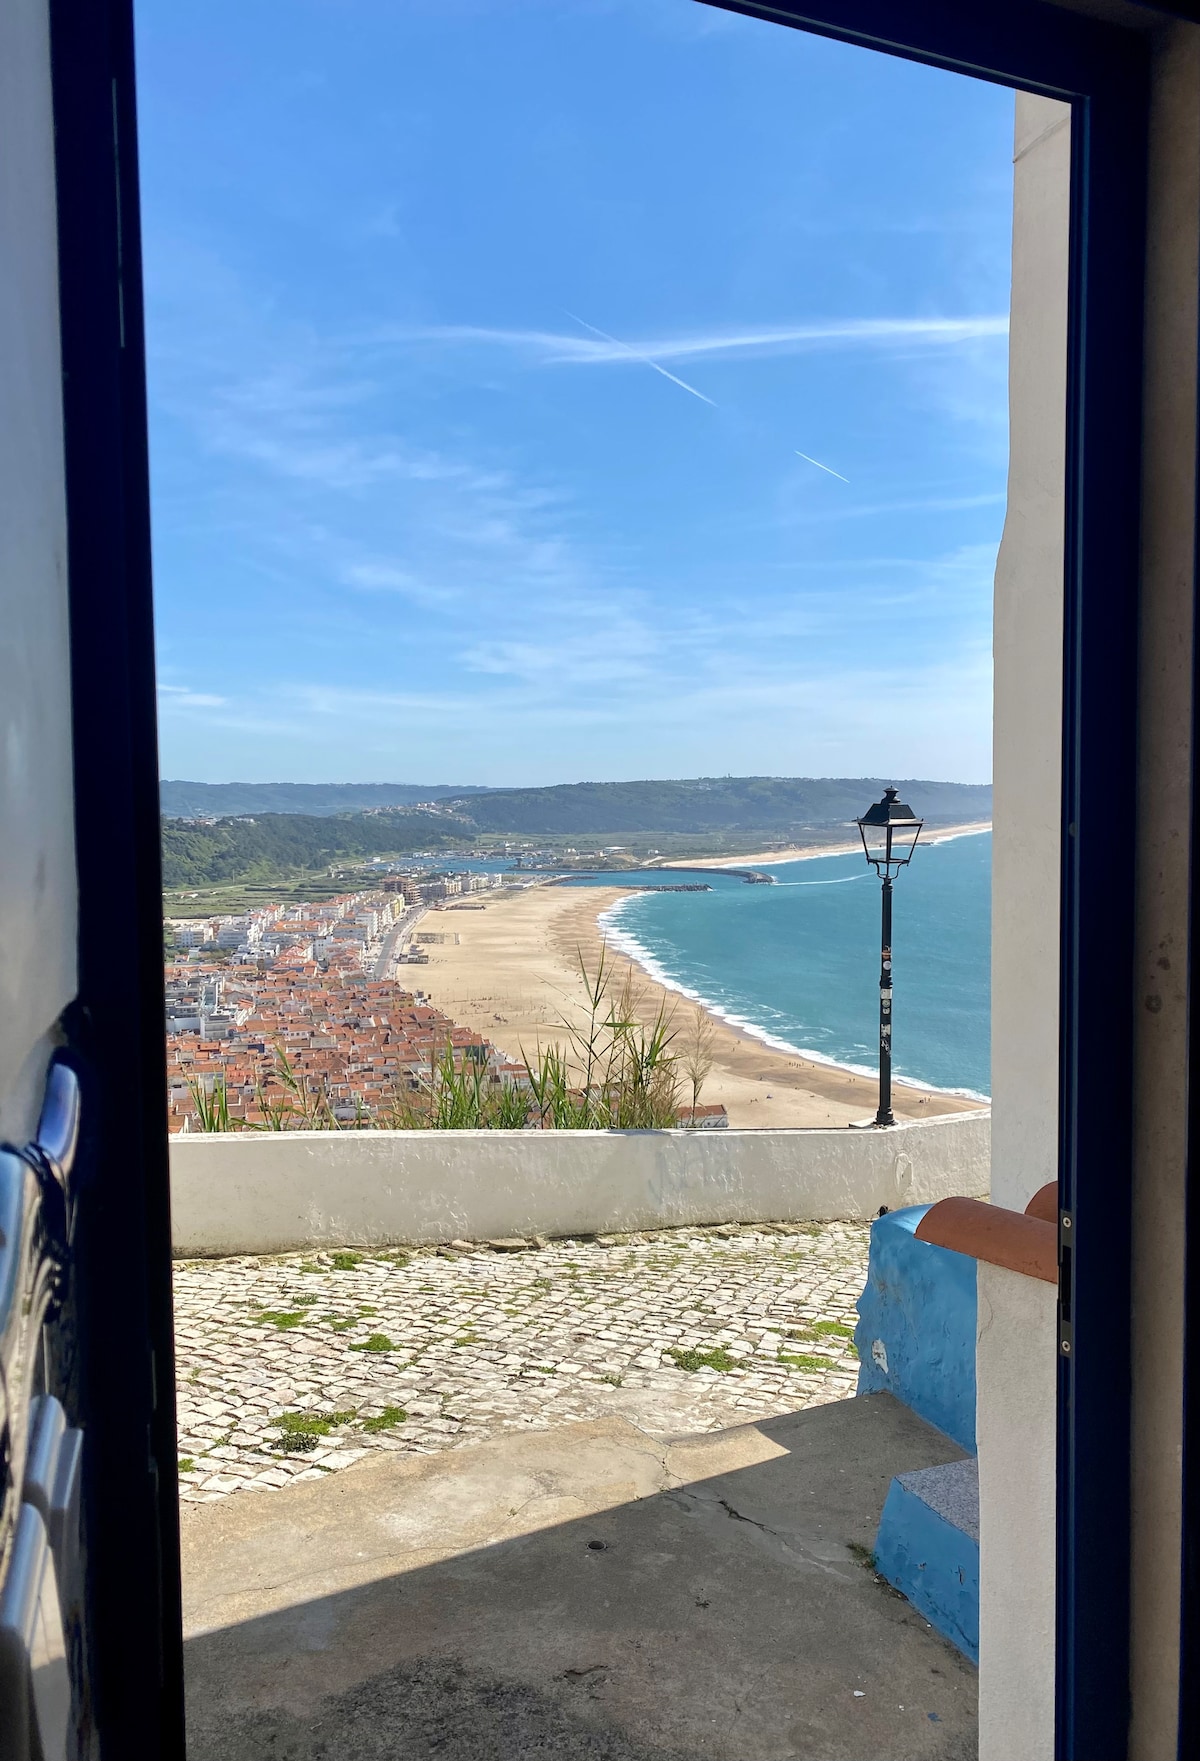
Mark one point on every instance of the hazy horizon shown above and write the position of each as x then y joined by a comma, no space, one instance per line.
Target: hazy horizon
565,782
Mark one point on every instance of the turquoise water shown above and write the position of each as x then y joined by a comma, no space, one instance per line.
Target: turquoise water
797,964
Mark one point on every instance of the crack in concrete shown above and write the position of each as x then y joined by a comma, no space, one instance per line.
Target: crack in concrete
793,1549
738,1516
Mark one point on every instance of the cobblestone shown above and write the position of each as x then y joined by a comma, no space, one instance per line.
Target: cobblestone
433,1349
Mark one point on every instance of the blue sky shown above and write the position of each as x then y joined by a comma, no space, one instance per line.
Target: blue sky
485,338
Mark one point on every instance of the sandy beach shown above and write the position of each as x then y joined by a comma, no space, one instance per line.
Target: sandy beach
515,974
804,853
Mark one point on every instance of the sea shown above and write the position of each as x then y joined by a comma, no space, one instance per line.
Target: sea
796,964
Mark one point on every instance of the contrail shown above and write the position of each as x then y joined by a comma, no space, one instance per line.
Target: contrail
820,466
645,359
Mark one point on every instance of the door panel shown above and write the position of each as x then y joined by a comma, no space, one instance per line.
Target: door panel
37,856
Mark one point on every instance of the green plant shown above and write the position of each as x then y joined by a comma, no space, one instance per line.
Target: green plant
303,1106
212,1105
297,1443
833,1329
302,1431
283,1319
612,1380
800,1361
619,1074
384,1421
377,1342
186,1465
310,1424
716,1359
457,1095
345,1261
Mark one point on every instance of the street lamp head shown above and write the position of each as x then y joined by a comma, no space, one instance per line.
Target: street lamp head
889,831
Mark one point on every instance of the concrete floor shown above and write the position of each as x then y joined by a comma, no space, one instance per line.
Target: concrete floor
589,1591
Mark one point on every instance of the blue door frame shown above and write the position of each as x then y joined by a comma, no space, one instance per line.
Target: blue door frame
125,1309
1101,70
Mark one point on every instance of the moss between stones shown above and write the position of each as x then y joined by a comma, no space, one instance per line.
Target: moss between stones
716,1359
303,1431
383,1421
377,1342
821,1330
310,1424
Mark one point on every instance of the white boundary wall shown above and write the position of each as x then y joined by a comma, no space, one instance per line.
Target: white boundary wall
271,1192
1016,1402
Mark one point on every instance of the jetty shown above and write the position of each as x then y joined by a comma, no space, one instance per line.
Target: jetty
752,877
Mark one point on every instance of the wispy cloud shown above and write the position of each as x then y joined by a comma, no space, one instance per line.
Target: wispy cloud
183,697
387,578
824,718
557,348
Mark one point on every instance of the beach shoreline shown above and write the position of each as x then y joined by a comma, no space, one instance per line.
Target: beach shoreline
514,976
757,1036
809,852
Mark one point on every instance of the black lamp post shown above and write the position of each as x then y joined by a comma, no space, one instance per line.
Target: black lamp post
889,832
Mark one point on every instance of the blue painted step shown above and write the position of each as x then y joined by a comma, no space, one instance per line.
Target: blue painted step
928,1547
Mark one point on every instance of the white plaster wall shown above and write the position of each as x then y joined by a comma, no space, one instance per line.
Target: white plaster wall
245,1192
1016,1369
1028,653
1016,1353
37,862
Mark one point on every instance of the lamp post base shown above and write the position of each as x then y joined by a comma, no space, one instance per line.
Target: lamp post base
875,1124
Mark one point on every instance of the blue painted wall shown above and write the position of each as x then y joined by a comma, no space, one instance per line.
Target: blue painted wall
932,1562
916,1332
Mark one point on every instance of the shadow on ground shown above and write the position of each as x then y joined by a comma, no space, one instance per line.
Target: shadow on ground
585,1592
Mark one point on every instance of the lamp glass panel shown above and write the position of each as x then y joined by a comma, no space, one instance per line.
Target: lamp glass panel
904,837
874,839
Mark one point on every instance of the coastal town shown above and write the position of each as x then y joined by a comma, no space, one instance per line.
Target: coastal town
293,1017
294,1014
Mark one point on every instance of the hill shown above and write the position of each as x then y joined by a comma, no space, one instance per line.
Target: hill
708,804
183,800
279,846
733,812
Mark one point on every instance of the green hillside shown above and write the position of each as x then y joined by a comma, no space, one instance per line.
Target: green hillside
727,810
744,804
278,846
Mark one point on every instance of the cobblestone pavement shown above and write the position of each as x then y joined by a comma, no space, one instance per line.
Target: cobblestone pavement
295,1365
